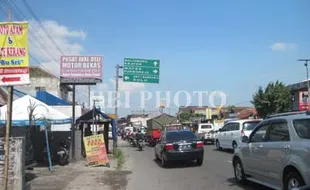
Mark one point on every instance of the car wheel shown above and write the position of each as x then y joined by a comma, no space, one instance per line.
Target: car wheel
293,180
239,172
234,146
163,162
218,146
199,161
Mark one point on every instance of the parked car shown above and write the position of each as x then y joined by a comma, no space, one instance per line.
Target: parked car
179,145
229,136
277,153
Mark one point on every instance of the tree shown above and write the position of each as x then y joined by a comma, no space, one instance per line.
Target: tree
275,98
231,108
185,116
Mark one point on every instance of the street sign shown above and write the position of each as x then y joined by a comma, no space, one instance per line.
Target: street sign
14,60
141,70
81,69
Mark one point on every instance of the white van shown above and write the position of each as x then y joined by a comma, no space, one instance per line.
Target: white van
229,136
204,132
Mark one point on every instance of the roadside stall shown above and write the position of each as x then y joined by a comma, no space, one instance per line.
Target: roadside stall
156,125
96,122
34,120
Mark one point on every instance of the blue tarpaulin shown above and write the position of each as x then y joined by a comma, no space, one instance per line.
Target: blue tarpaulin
50,99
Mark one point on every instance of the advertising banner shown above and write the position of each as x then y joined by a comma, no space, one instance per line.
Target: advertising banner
303,101
14,57
95,150
80,69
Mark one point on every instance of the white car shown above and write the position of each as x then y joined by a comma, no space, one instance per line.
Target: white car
203,132
229,136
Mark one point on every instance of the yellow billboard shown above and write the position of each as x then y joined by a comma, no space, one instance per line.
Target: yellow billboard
95,150
14,54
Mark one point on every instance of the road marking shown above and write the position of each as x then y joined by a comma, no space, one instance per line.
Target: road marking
229,161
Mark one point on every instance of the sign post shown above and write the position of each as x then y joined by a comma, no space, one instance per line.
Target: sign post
141,70
14,70
79,70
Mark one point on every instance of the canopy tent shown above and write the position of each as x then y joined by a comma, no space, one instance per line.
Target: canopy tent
42,114
91,117
161,121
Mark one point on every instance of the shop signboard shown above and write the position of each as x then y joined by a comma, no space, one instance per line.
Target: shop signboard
95,150
303,100
14,54
81,69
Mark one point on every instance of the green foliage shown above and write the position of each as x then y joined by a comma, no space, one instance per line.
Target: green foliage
120,158
231,108
275,98
186,116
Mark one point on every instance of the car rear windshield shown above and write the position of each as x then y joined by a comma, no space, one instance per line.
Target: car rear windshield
250,125
180,135
302,128
206,126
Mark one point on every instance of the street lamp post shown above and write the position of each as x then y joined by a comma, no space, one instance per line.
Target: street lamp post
308,85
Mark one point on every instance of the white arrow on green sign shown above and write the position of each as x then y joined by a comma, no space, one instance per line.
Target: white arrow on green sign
141,70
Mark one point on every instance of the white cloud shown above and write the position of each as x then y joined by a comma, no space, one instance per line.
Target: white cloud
283,47
124,86
43,48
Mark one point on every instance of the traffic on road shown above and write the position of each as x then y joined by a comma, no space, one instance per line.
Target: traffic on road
273,153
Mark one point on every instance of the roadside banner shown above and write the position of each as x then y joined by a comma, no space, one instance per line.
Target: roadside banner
14,57
95,150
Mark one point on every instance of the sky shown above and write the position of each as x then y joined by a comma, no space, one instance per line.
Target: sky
232,47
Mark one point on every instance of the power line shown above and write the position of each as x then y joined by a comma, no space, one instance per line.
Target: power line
47,52
38,20
28,52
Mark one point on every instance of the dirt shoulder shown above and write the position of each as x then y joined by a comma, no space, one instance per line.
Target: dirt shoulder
77,176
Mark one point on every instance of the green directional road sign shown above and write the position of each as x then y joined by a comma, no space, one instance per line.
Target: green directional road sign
141,70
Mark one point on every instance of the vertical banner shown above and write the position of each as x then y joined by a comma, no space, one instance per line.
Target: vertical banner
303,100
14,57
96,151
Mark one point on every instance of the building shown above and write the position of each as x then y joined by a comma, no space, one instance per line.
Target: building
138,119
299,92
4,95
42,80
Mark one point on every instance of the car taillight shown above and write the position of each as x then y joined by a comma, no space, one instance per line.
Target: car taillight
169,146
199,144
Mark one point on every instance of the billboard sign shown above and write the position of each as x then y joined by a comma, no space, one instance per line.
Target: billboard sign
81,69
95,150
14,57
303,101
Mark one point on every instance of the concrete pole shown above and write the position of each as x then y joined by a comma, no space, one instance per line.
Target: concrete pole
7,129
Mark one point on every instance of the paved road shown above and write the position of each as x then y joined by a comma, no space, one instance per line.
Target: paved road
215,173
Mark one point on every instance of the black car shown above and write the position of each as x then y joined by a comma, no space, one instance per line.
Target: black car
179,145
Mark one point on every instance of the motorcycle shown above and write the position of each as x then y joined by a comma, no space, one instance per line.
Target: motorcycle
140,144
132,141
63,153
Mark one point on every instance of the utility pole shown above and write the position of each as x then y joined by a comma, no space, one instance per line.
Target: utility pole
73,124
308,85
117,77
7,129
89,95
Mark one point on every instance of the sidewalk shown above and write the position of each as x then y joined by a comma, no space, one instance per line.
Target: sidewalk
77,176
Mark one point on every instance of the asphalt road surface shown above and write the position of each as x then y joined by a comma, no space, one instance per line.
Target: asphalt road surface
216,173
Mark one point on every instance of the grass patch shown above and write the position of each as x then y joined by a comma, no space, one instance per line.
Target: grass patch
120,158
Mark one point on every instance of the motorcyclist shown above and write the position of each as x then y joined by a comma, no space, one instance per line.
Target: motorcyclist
139,135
